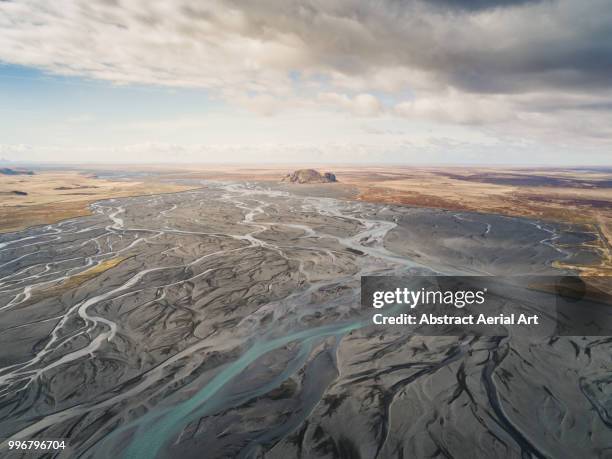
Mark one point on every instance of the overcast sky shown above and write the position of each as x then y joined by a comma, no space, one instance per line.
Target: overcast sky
398,81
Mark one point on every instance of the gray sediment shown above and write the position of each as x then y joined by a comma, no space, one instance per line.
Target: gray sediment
232,325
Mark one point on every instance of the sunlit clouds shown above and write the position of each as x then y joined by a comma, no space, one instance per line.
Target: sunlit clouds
528,73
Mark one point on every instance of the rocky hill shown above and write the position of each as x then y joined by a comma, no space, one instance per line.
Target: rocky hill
309,176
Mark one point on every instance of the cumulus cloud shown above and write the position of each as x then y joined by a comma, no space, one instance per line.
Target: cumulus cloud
465,61
362,104
460,108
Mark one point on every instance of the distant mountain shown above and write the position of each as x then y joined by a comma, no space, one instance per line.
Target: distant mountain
309,176
9,171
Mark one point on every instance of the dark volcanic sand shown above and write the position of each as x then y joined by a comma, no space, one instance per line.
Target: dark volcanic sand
231,328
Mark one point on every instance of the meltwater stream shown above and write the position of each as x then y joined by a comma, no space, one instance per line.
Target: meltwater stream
157,427
149,433
207,285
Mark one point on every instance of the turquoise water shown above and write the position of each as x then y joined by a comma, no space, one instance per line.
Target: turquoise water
158,426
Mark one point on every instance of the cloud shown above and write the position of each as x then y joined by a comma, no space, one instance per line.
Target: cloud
362,104
434,149
475,5
459,108
466,61
236,45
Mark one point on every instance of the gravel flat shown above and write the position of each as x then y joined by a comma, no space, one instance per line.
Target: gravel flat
226,320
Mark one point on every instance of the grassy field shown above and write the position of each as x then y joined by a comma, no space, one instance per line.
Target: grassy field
49,197
565,196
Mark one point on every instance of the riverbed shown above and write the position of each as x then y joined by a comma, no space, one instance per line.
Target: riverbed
226,319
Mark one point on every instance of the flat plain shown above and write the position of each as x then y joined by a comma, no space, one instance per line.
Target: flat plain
225,318
562,195
52,196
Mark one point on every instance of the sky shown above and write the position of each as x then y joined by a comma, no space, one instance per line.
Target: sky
525,82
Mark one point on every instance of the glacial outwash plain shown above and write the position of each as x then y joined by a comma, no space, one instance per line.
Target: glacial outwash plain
214,312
